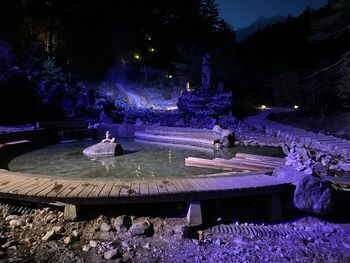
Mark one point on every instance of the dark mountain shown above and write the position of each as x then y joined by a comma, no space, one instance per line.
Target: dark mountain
259,23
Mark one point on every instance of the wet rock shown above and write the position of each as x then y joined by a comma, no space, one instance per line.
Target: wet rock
57,229
11,217
68,240
122,223
48,218
53,233
327,229
17,222
86,248
304,153
9,243
49,236
76,233
313,195
142,229
105,227
103,149
111,254
93,243
288,173
344,166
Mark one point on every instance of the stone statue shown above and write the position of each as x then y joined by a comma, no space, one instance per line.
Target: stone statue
206,71
108,138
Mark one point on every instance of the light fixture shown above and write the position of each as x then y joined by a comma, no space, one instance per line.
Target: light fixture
137,56
170,76
152,50
296,107
263,107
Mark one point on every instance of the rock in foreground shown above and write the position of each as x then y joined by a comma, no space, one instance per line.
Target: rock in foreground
104,149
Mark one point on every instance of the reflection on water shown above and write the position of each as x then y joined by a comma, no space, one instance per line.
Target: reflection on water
139,161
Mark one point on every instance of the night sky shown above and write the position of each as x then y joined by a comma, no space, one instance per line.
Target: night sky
242,13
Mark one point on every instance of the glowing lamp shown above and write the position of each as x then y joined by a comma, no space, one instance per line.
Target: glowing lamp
170,76
263,107
188,88
296,107
137,56
152,50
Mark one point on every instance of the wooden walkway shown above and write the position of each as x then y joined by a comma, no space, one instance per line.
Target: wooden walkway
27,187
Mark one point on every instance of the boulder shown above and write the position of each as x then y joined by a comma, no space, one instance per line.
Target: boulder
289,173
122,223
112,254
142,229
103,149
227,138
313,195
105,227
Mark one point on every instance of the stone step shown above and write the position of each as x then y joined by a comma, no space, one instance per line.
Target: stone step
194,141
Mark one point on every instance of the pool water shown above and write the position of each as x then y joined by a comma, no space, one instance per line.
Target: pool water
140,160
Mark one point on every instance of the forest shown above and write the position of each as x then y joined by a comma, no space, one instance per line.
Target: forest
54,50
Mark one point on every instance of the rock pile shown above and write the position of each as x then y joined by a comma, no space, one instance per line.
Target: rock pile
44,236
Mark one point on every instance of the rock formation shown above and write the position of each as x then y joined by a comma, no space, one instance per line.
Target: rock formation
108,147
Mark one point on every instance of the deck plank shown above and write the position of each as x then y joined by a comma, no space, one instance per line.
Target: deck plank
59,191
162,189
144,188
65,192
17,184
125,189
56,187
89,187
115,189
40,187
30,184
77,190
187,185
153,188
105,192
134,188
179,187
199,185
170,186
96,191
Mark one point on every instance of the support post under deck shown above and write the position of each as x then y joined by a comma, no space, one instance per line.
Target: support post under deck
71,212
276,209
194,213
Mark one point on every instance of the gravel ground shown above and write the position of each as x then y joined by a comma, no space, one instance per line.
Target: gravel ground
44,236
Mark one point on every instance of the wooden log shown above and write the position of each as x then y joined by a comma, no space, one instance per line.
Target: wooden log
259,157
225,164
266,164
255,163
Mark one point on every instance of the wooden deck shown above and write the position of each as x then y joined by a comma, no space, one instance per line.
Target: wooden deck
28,187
